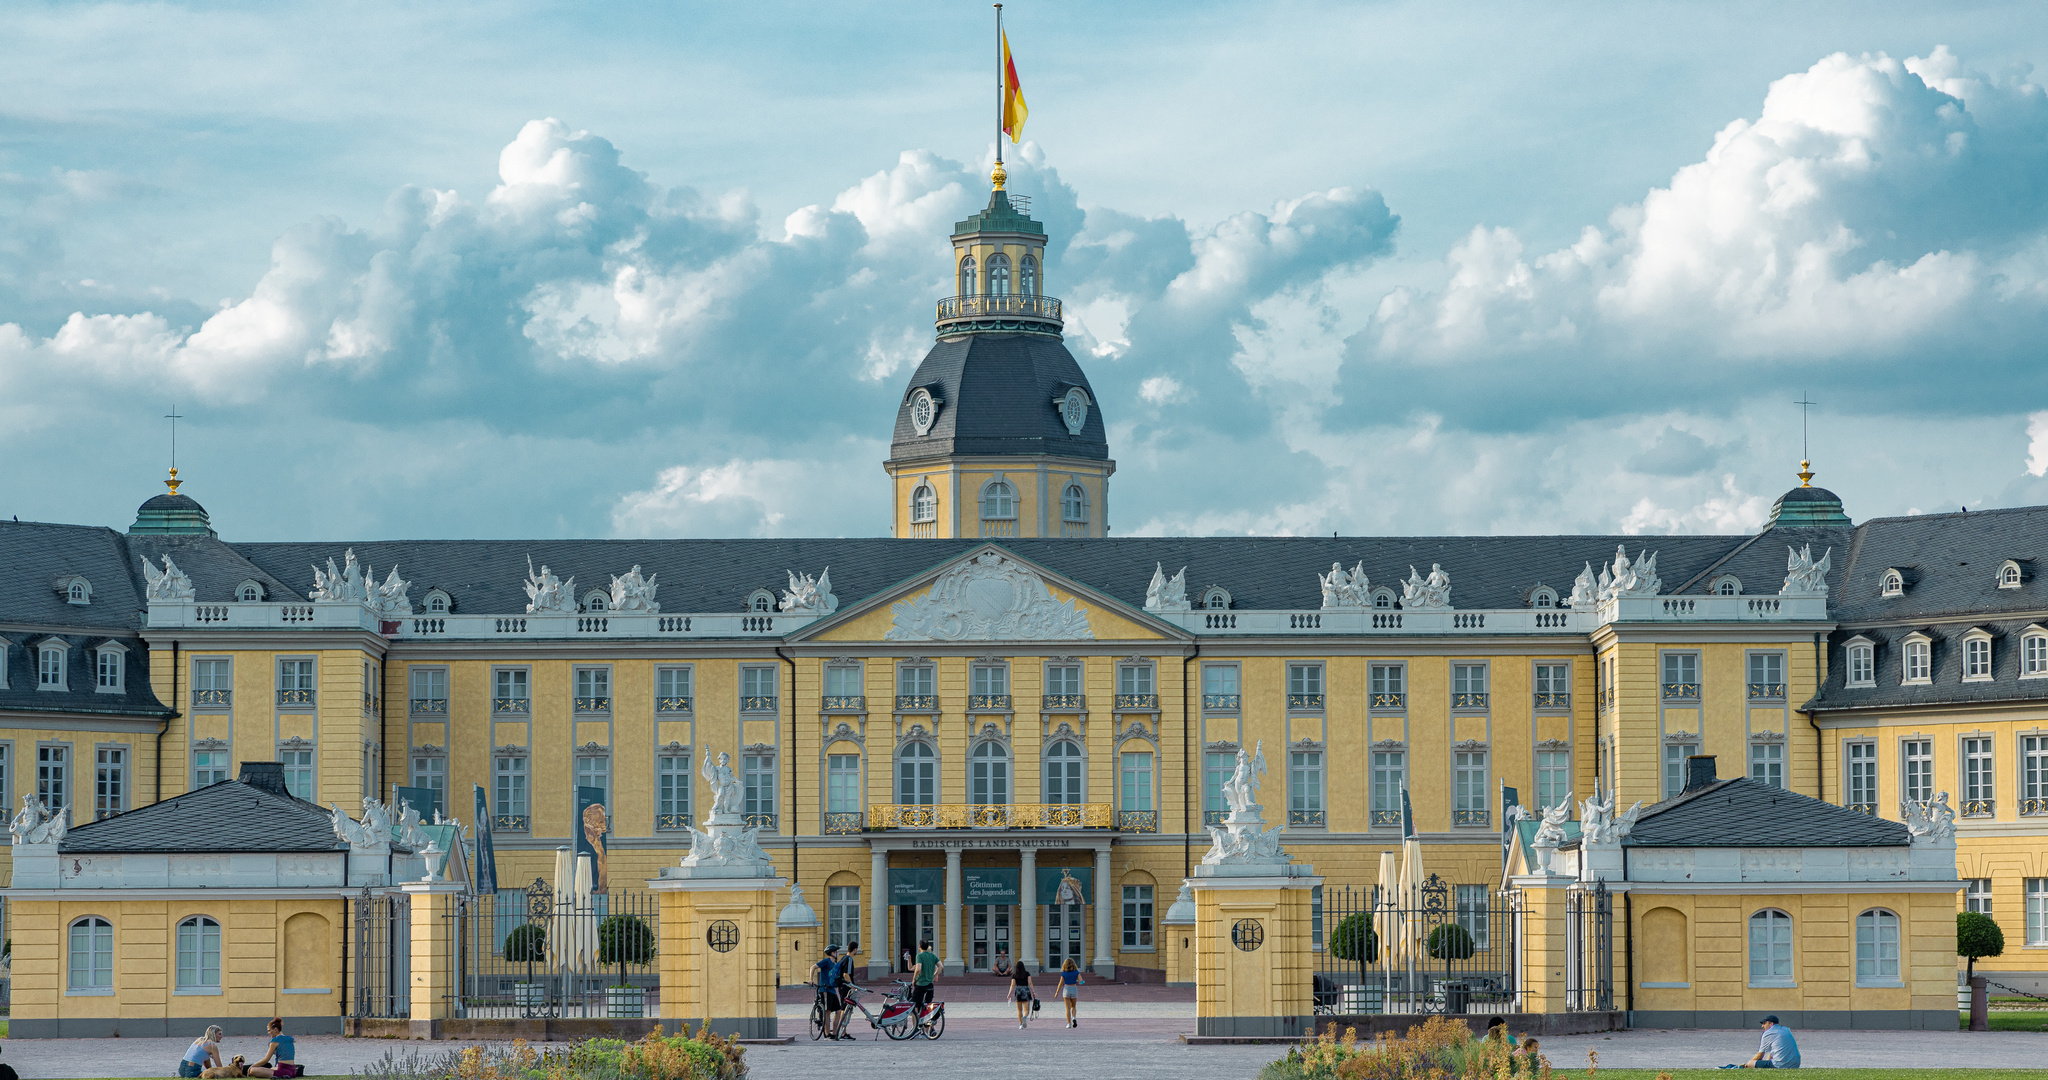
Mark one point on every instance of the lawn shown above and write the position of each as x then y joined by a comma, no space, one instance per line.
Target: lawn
2032,1020
1815,1074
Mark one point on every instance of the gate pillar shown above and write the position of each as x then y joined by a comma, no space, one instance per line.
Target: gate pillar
1545,955
718,949
1253,969
1177,938
432,983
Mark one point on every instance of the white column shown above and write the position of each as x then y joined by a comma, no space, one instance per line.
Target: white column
879,952
1027,906
953,963
1104,915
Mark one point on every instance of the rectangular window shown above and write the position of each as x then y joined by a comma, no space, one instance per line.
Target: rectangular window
53,775
1977,658
842,915
842,784
298,772
1862,780
843,681
1219,686
1216,768
1918,780
914,681
295,682
593,689
1136,790
2037,911
595,771
1472,913
1137,916
1862,665
1134,680
510,781
1389,686
431,772
1978,787
757,689
6,774
1674,765
110,781
1681,676
1770,948
1468,686
199,954
1469,791
1553,686
1977,895
1305,787
1877,948
2034,654
1553,777
1767,668
1063,680
1767,763
108,676
212,683
1304,680
209,767
672,797
1389,776
429,691
990,679
50,669
2033,774
1918,661
92,956
672,690
758,795
514,691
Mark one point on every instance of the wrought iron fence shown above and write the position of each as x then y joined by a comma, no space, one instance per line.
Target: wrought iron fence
1439,948
379,955
1589,948
534,952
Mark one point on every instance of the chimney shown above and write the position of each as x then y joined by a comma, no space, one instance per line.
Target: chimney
268,775
1699,772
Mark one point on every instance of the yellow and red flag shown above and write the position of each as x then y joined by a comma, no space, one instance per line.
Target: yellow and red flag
1014,110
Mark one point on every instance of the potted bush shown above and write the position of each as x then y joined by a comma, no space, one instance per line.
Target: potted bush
1355,940
1978,935
623,940
527,944
1450,942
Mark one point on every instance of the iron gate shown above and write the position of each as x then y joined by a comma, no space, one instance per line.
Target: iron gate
1589,948
1437,949
380,955
535,952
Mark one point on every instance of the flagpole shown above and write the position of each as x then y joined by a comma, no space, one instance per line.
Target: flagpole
1001,87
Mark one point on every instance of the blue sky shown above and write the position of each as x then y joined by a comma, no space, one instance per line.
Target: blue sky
662,269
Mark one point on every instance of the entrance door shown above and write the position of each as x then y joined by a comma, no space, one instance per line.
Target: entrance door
914,923
1065,933
991,926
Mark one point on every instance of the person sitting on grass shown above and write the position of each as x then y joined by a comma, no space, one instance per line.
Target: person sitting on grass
1497,1031
281,1059
1779,1049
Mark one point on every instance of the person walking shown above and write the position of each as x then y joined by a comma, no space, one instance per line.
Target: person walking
826,973
204,1053
922,985
1779,1050
1020,990
280,1060
847,989
1070,989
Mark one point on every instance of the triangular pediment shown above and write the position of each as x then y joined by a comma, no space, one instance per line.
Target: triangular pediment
989,593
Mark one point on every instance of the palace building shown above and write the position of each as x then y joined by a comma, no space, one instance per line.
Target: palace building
941,734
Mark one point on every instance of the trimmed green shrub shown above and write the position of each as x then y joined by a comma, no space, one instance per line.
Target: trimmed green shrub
1450,942
1977,936
624,939
528,942
1354,939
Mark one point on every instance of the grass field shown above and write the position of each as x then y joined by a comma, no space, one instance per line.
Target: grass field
1817,1074
2010,1021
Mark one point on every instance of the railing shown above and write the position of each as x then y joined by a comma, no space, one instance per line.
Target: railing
1304,701
1553,620
996,816
757,624
1553,701
294,697
372,703
671,704
1589,954
212,697
671,822
1136,821
1138,701
1061,703
1864,808
1388,701
673,624
1979,808
1468,701
1000,305
1382,818
509,822
594,625
1386,620
1468,620
1471,818
1221,701
845,703
509,626
988,703
843,823
1307,819
1766,691
917,703
511,705
1606,700
924,530
758,703
2033,807
379,955
1681,691
1305,620
1219,620
1415,951
429,626
1000,528
422,706
543,953
593,704
763,821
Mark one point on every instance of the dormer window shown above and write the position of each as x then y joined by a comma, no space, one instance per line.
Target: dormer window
108,668
1725,585
1216,598
438,602
1543,597
967,279
74,589
761,600
1892,584
1383,598
597,601
2011,575
250,591
1862,663
77,593
1916,664
1977,656
2034,653
50,673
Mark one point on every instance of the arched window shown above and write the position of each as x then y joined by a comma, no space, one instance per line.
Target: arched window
998,500
92,956
1725,585
1216,598
437,603
596,601
924,504
1383,598
199,954
1063,772
2034,655
967,276
50,667
250,593
761,601
1894,583
2009,576
1727,588
1877,948
1543,598
78,592
1027,277
989,775
1917,666
1074,504
1770,948
999,275
1977,658
917,770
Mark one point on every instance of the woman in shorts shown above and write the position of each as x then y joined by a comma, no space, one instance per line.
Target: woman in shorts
1020,990
1070,989
204,1053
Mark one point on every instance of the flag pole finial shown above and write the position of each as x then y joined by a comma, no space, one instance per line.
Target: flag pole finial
998,177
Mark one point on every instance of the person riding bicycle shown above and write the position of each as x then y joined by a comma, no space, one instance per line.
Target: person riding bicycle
847,988
826,972
927,968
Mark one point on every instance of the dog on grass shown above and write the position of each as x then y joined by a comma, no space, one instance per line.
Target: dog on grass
238,1067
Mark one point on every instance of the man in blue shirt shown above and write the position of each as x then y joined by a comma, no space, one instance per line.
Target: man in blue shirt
1779,1049
826,972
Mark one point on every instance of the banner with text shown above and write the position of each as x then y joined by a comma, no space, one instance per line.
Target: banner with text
917,886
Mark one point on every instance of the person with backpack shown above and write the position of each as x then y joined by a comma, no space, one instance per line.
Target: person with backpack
826,973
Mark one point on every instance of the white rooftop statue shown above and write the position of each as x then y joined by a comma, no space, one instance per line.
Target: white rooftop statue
1167,594
37,824
390,600
170,583
1630,579
547,593
807,595
1432,593
1348,588
340,585
1585,590
1803,576
633,593
1929,822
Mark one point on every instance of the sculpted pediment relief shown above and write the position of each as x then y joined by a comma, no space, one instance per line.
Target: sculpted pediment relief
988,598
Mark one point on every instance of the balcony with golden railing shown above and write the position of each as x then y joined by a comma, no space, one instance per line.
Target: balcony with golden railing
991,816
1012,312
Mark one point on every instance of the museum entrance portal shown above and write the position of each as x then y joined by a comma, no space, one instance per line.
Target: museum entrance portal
915,923
989,936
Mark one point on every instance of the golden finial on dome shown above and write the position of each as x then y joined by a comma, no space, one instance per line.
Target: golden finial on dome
1806,474
173,482
999,176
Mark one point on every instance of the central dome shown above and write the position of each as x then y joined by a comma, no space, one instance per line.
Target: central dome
995,394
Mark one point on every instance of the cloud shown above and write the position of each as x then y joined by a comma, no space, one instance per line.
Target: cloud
2037,444
1675,453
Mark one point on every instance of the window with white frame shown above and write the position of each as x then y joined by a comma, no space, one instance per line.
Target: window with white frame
1917,666
1977,895
595,771
672,791
209,767
924,505
1134,681
672,689
1767,763
969,280
1137,916
2033,774
842,784
1917,776
107,672
1219,686
91,961
437,603
1553,778
1305,787
757,689
1389,776
510,789
2033,655
198,955
1135,792
2009,576
1468,686
999,275
4,663
1389,686
1976,658
1770,948
1074,505
916,774
1894,584
2037,911
843,685
593,689
1027,276
1978,784
989,681
53,776
1877,948
1471,907
513,692
1063,772
1304,686
429,691
914,681
298,772
988,775
1766,676
757,794
6,773
50,667
998,501
1675,754
1063,681
842,914
1862,664
1861,783
1553,686
430,771
1681,675
1215,598
295,682
109,781
1469,788
1216,768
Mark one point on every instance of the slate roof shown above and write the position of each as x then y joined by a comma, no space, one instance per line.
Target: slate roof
995,395
1946,685
231,816
32,556
1746,813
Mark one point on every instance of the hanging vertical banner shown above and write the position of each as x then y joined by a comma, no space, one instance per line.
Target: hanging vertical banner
424,801
486,856
989,885
917,885
592,823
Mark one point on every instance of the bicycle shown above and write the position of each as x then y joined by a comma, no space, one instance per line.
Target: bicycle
894,1019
